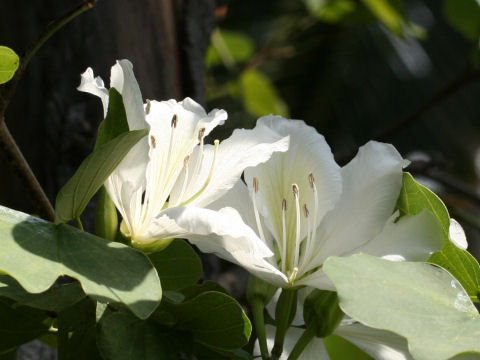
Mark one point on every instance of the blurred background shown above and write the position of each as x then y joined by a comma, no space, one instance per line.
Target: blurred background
400,71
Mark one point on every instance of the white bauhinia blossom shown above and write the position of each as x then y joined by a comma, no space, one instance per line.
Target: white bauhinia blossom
172,167
305,208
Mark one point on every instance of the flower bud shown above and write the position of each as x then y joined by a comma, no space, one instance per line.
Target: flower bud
322,312
106,219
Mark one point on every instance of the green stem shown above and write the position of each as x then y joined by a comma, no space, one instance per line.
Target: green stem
259,324
302,343
284,314
79,223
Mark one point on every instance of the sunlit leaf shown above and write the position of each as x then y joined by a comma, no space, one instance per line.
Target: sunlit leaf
413,198
92,173
237,47
419,301
260,96
9,63
36,252
389,13
330,10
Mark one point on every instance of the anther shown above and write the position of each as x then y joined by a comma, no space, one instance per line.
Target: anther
185,161
305,210
174,120
147,108
295,190
201,133
284,204
311,180
154,141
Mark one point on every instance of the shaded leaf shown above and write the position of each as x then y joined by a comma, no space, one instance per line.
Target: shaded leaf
389,13
56,298
463,16
36,252
330,11
77,332
9,63
20,324
341,349
124,337
178,265
419,301
92,173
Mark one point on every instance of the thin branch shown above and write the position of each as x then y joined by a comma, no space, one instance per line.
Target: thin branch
7,143
386,134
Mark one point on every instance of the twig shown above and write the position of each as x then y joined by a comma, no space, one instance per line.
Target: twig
7,143
386,134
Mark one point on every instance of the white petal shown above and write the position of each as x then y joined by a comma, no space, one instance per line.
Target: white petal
371,184
412,238
457,235
318,280
243,149
308,153
94,86
315,350
123,80
223,233
379,344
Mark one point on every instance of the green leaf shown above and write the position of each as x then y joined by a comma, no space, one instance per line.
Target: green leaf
203,352
419,301
61,295
9,63
20,324
125,337
178,265
415,197
463,16
92,173
260,96
77,332
235,45
215,319
36,252
115,123
330,11
341,349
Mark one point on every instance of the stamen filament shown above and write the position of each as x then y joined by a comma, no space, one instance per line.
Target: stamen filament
255,209
293,275
216,143
199,159
311,180
297,236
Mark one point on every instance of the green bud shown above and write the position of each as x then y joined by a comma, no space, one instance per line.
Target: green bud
321,311
106,219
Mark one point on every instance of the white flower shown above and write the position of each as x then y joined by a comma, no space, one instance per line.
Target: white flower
304,208
172,167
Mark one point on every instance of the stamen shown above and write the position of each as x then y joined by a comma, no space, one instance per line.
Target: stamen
297,237
255,209
147,108
293,276
216,144
199,159
284,235
201,133
174,120
153,141
311,180
306,250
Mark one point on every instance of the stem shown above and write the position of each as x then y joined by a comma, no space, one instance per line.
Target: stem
22,169
284,313
79,223
259,324
7,143
302,343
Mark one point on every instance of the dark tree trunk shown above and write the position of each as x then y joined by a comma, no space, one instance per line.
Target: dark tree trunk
53,123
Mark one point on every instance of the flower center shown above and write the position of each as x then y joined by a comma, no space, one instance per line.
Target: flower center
295,250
